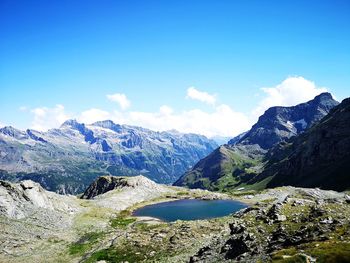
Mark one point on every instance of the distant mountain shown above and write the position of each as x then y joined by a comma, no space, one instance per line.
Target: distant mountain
237,162
320,157
69,158
220,140
236,139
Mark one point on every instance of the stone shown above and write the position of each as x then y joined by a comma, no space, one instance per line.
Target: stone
234,248
280,218
328,220
236,228
27,184
347,199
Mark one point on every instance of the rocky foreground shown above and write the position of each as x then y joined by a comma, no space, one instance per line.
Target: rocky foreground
295,225
281,225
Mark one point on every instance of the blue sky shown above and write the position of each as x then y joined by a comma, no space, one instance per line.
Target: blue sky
72,54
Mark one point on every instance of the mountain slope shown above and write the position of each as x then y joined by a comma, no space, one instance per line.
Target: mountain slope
244,155
318,158
225,167
69,158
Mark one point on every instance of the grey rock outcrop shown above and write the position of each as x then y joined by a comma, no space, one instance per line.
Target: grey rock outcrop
27,197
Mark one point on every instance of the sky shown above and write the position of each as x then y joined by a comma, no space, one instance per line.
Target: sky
209,67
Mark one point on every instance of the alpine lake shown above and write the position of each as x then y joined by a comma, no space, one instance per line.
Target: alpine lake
190,209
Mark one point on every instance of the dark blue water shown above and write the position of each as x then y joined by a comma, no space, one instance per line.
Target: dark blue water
190,209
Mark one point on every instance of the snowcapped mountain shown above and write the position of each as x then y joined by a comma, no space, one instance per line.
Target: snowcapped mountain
69,158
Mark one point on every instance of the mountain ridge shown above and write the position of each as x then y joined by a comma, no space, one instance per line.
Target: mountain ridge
68,158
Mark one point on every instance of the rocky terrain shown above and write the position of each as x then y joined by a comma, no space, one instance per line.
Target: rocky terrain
32,218
282,150
42,226
68,159
293,225
281,225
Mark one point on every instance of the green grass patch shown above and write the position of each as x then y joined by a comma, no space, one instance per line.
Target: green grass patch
242,193
121,222
324,252
292,259
331,252
109,254
85,243
181,193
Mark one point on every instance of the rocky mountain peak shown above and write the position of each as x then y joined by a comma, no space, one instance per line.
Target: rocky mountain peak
81,128
74,124
13,132
108,124
280,123
325,96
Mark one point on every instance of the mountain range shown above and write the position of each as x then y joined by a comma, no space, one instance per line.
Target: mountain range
69,158
251,161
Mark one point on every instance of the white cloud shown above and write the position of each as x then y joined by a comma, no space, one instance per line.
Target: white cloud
219,120
46,118
292,91
121,99
166,110
193,93
222,120
93,115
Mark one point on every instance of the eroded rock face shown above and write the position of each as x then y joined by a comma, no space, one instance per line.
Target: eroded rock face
23,199
119,193
16,199
104,184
